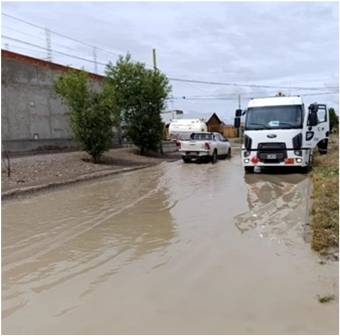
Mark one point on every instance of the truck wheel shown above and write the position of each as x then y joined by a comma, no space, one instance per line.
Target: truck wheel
249,170
214,157
322,146
185,159
305,170
229,153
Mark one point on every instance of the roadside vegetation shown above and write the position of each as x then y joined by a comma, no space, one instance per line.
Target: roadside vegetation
91,115
325,208
131,98
140,95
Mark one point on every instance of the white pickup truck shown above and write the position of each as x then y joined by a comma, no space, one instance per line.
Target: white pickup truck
204,145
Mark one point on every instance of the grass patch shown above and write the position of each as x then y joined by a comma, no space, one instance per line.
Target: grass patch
325,299
325,209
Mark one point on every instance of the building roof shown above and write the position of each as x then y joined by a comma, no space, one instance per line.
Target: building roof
42,63
214,115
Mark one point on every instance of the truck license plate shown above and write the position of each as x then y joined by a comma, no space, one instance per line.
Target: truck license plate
271,156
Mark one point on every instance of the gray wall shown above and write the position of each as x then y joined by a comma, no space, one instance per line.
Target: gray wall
31,108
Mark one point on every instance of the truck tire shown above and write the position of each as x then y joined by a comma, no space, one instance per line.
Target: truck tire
249,170
229,153
214,157
322,146
186,160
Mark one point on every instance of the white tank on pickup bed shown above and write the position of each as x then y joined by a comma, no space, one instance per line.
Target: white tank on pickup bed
183,128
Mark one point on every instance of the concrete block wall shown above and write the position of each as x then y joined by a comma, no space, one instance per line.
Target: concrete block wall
33,116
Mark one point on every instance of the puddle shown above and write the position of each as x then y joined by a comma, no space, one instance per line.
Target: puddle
171,249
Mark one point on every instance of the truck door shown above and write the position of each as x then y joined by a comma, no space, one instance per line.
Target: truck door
318,127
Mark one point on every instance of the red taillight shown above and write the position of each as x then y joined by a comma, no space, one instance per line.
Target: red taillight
289,161
206,145
254,160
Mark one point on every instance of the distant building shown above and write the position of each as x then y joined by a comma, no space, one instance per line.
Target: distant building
215,124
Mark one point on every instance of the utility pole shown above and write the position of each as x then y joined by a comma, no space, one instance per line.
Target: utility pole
239,134
154,59
48,44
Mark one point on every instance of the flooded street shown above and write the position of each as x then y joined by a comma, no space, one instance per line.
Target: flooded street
176,248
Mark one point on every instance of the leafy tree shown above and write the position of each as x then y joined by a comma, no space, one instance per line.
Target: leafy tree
90,112
333,119
140,95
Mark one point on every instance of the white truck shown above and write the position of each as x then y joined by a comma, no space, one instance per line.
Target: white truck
204,146
278,131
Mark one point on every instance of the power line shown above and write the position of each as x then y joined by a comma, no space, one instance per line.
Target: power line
54,42
235,97
55,51
247,85
192,81
24,33
59,34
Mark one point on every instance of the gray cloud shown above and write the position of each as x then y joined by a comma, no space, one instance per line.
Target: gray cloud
275,43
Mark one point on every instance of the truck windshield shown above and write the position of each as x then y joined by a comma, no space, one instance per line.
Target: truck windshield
274,117
201,136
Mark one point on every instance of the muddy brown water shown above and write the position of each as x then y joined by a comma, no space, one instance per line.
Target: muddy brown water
175,248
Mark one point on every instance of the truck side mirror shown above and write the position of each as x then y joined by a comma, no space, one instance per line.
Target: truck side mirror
237,122
238,113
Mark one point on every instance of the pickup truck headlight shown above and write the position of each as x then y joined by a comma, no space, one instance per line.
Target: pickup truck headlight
246,153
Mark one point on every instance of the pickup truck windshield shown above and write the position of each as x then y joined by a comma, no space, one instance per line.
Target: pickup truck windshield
201,136
274,117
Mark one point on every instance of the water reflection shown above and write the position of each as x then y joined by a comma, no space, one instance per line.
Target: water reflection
277,206
91,229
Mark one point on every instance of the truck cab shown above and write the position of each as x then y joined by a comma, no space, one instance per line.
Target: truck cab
278,131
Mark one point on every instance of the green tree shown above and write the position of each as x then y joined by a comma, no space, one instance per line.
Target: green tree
333,119
140,96
91,116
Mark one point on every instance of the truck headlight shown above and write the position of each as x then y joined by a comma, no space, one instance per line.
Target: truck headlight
309,135
246,153
298,152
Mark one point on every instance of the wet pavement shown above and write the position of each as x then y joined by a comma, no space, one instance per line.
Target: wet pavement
176,248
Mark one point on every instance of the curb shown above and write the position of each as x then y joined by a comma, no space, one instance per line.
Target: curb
42,187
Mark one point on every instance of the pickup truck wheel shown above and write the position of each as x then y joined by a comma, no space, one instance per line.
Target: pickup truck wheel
186,160
249,170
214,157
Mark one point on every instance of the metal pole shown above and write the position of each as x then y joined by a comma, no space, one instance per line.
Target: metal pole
48,44
239,133
154,59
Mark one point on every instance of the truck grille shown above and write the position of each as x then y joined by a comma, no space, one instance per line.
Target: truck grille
271,152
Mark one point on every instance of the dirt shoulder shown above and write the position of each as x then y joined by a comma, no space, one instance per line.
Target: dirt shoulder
36,172
325,208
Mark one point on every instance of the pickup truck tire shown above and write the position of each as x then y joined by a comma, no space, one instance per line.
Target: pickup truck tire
214,157
186,160
249,170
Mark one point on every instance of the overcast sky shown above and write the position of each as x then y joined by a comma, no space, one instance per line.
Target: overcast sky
265,43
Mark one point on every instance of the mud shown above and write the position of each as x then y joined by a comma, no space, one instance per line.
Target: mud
175,248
